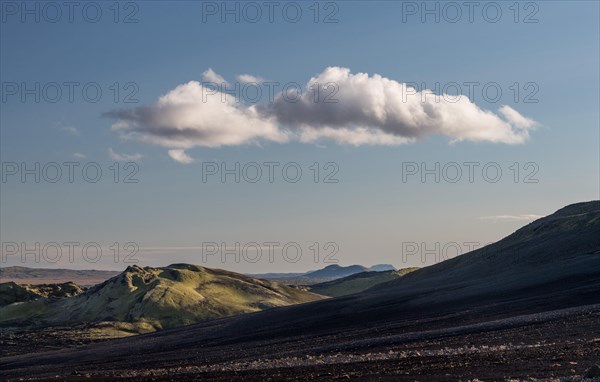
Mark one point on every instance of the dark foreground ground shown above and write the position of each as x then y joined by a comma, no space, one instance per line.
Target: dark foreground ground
14,341
559,345
526,308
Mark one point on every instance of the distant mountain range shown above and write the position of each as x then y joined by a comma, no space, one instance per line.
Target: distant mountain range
87,278
25,275
330,272
146,299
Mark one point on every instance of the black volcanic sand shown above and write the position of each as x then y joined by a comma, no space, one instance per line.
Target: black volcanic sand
18,341
560,344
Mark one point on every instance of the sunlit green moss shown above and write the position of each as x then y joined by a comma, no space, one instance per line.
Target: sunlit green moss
146,299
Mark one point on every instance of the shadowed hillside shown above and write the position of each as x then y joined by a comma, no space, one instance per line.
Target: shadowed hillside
553,249
357,282
329,273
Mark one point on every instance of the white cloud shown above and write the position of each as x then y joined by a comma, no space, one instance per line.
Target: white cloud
185,118
366,110
180,156
210,76
356,136
516,119
512,217
377,110
123,157
70,130
78,156
249,79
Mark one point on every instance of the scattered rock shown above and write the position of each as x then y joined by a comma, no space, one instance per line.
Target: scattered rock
593,372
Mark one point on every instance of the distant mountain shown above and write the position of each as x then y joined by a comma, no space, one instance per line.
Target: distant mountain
276,276
11,292
335,271
330,272
25,275
357,282
382,268
148,299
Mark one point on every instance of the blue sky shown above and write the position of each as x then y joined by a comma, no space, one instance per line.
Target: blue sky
370,213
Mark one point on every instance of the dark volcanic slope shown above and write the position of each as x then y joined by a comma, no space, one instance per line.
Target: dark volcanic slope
559,248
357,282
552,263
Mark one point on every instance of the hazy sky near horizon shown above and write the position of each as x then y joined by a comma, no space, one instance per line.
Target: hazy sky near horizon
354,164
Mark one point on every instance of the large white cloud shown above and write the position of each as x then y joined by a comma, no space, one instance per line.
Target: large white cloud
355,109
378,110
187,117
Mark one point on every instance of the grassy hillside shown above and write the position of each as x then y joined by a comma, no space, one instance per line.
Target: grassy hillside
11,292
357,282
157,298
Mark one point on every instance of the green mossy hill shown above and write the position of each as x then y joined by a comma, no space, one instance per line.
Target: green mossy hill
159,298
11,292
